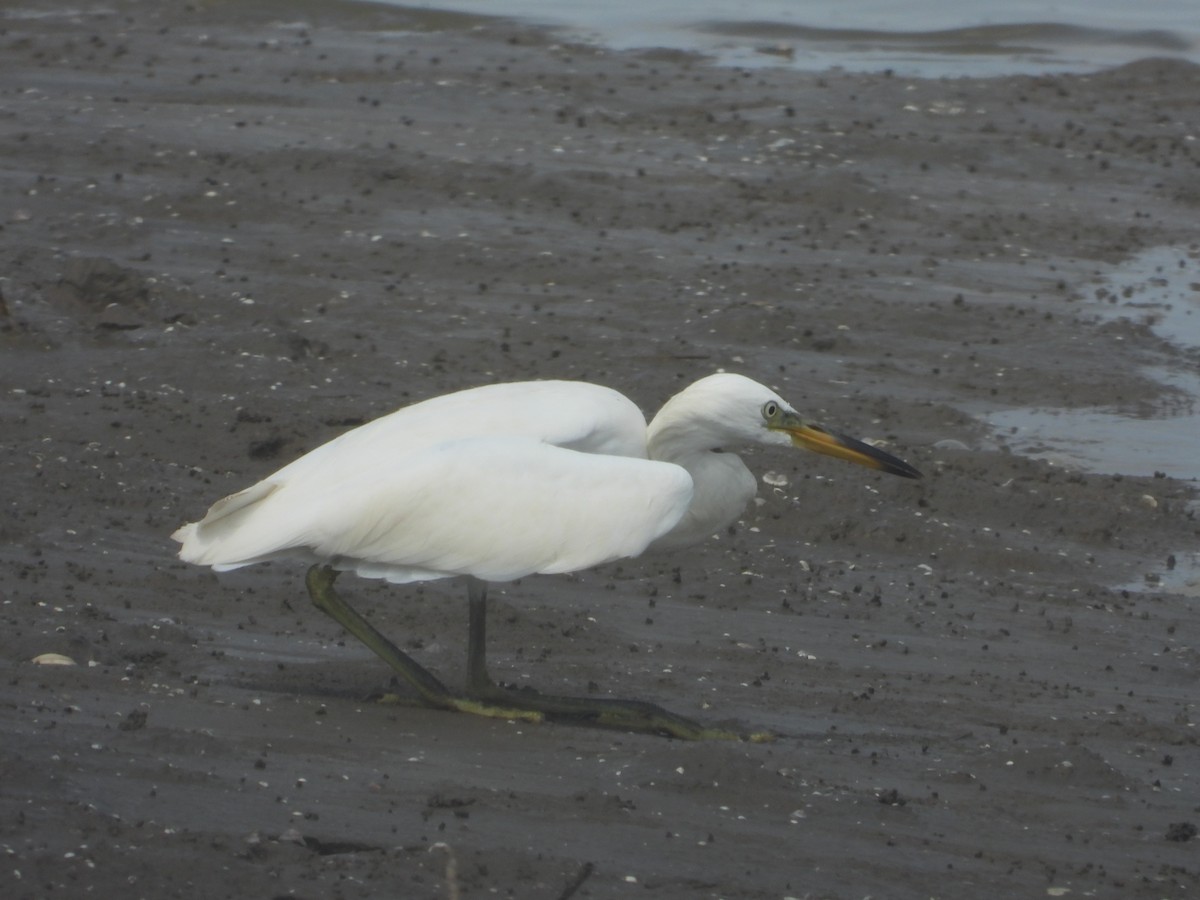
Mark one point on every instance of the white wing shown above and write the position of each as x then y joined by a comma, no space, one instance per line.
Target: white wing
571,414
497,507
499,482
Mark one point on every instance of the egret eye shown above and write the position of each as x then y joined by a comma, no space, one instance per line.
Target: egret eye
770,409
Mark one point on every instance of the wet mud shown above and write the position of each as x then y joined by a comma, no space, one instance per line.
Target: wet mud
231,234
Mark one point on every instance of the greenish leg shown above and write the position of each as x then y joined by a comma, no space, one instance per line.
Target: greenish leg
478,679
629,715
485,697
428,687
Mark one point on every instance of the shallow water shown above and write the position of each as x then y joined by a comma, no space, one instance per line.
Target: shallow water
1157,288
1160,288
928,37
1181,577
1102,440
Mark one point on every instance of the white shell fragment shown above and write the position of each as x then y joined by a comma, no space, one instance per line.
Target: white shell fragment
53,659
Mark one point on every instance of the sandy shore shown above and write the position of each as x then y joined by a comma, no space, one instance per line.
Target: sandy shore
230,235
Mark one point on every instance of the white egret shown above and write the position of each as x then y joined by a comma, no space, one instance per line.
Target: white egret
507,480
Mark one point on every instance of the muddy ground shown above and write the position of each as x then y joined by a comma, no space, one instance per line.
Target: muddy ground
230,233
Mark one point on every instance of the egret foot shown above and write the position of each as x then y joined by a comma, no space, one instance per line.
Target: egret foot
472,705
486,698
606,712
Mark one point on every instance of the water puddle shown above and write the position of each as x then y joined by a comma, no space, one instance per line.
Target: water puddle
1097,439
929,38
1181,575
1159,288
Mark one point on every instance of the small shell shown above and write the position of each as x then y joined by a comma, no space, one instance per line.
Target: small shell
53,659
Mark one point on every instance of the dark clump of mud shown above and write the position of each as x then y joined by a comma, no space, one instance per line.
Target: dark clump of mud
230,235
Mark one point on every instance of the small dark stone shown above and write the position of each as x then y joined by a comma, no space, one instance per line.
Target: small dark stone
1181,831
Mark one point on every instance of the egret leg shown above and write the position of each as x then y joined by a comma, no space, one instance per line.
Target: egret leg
630,715
484,696
478,679
427,685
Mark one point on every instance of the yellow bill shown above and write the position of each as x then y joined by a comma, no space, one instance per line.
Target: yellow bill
828,443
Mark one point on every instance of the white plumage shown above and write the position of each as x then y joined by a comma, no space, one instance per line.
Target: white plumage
497,482
503,481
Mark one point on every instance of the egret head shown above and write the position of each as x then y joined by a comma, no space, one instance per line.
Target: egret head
781,420
724,410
